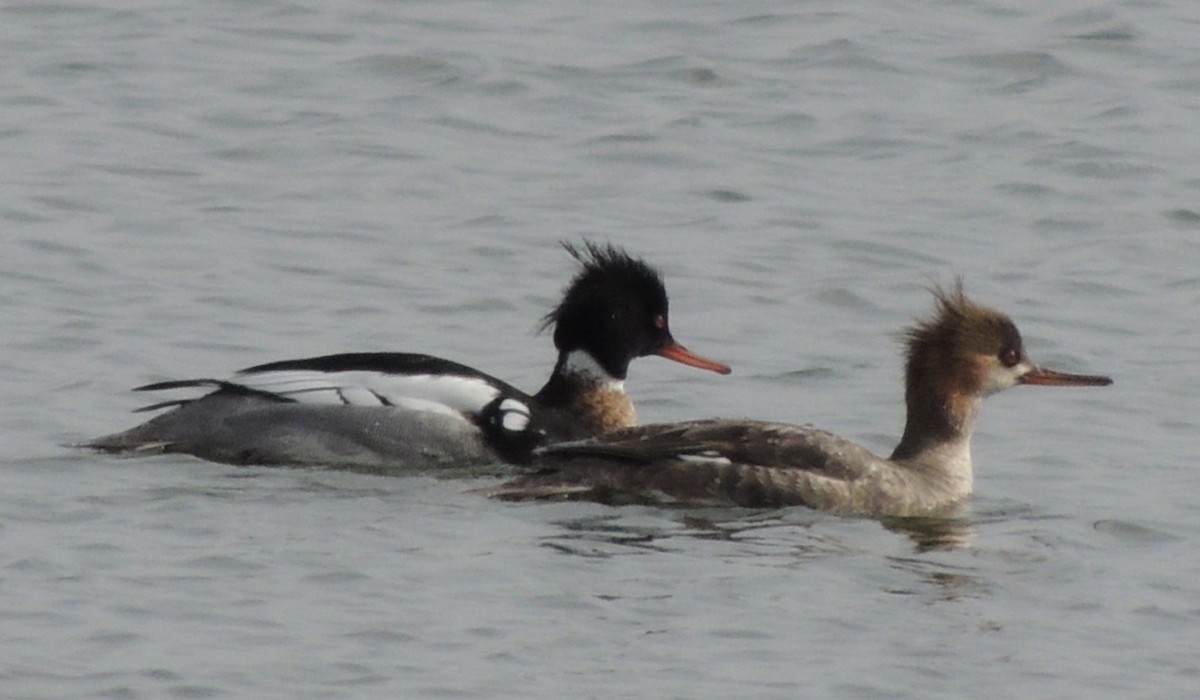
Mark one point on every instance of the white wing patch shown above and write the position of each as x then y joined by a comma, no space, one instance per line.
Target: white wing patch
441,393
427,407
708,457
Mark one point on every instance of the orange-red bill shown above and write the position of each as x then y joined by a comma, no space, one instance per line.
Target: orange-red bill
1048,377
675,351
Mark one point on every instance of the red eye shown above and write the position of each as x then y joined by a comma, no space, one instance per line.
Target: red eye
660,322
1010,357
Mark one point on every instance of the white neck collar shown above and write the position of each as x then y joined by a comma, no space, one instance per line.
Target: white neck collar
579,364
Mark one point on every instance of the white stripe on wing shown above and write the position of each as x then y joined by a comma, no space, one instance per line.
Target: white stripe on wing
362,388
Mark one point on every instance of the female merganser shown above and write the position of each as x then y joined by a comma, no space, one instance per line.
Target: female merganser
962,354
383,410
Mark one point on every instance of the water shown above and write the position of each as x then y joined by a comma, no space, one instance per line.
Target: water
191,188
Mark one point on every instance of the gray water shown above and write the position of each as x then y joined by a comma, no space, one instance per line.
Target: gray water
192,188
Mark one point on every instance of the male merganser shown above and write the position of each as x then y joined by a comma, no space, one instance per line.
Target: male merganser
962,354
383,410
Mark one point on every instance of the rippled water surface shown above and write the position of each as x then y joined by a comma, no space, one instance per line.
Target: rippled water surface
191,188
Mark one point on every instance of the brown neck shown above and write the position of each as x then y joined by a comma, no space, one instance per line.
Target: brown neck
598,405
933,422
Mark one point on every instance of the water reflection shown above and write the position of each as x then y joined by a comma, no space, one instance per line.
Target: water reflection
935,533
939,581
786,538
633,529
654,529
604,536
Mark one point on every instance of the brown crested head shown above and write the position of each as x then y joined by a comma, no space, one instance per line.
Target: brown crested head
967,349
962,353
964,348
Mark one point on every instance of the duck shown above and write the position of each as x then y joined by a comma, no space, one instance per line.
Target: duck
961,354
383,410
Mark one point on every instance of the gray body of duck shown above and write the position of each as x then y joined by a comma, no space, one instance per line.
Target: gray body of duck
374,410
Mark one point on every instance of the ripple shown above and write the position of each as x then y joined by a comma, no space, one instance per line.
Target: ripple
1117,33
1134,533
222,563
1189,217
797,376
727,196
430,68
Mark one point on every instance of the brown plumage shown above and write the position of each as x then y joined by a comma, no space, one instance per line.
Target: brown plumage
962,353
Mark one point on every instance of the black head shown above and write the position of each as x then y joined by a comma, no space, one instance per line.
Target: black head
615,309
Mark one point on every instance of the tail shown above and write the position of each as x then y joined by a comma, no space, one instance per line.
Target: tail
219,386
163,433
126,443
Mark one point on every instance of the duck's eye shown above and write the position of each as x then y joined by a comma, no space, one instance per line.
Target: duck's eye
1009,357
660,322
